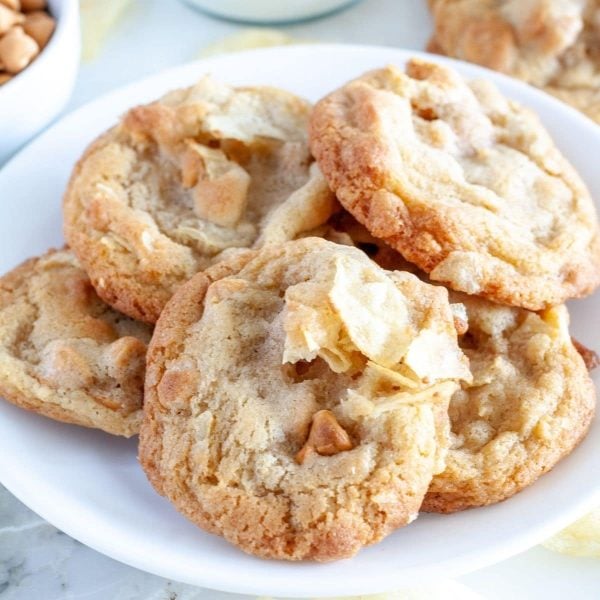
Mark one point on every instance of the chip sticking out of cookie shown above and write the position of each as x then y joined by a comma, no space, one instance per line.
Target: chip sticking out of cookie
463,182
291,402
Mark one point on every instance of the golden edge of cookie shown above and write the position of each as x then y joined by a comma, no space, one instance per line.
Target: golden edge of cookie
166,342
111,422
109,283
115,425
475,492
355,169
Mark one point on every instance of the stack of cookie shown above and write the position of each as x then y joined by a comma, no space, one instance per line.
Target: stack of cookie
357,306
552,44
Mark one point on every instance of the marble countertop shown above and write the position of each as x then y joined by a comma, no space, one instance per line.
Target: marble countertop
37,561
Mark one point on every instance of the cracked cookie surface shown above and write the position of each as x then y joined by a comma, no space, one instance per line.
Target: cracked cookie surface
530,403
296,399
181,180
463,182
553,45
64,353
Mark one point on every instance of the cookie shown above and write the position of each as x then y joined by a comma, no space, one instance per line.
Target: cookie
462,182
530,403
296,399
205,169
64,353
553,45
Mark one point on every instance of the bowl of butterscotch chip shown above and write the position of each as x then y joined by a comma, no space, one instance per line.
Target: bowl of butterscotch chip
39,56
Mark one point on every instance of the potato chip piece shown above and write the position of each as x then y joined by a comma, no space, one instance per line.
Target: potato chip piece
221,187
582,538
432,357
362,311
305,209
359,405
373,310
389,375
312,328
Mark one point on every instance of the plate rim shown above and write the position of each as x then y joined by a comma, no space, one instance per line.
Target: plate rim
22,487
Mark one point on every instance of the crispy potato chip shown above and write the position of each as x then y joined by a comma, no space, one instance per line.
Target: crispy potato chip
373,311
582,538
307,208
358,317
312,328
431,357
221,191
389,375
361,310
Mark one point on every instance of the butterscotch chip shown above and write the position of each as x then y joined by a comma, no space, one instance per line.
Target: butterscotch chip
554,45
464,183
327,437
64,353
296,399
177,182
40,26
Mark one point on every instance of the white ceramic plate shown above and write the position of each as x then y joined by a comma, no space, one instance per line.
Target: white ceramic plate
90,485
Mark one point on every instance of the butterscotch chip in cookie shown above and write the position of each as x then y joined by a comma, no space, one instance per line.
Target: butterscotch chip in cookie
552,44
529,404
160,196
296,399
64,353
463,182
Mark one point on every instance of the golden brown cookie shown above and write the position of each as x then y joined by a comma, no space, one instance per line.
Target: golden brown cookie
530,403
552,44
466,184
160,196
64,353
296,399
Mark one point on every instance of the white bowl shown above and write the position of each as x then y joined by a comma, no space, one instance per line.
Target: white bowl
35,96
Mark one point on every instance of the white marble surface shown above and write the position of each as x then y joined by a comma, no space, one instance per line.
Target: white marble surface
38,562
